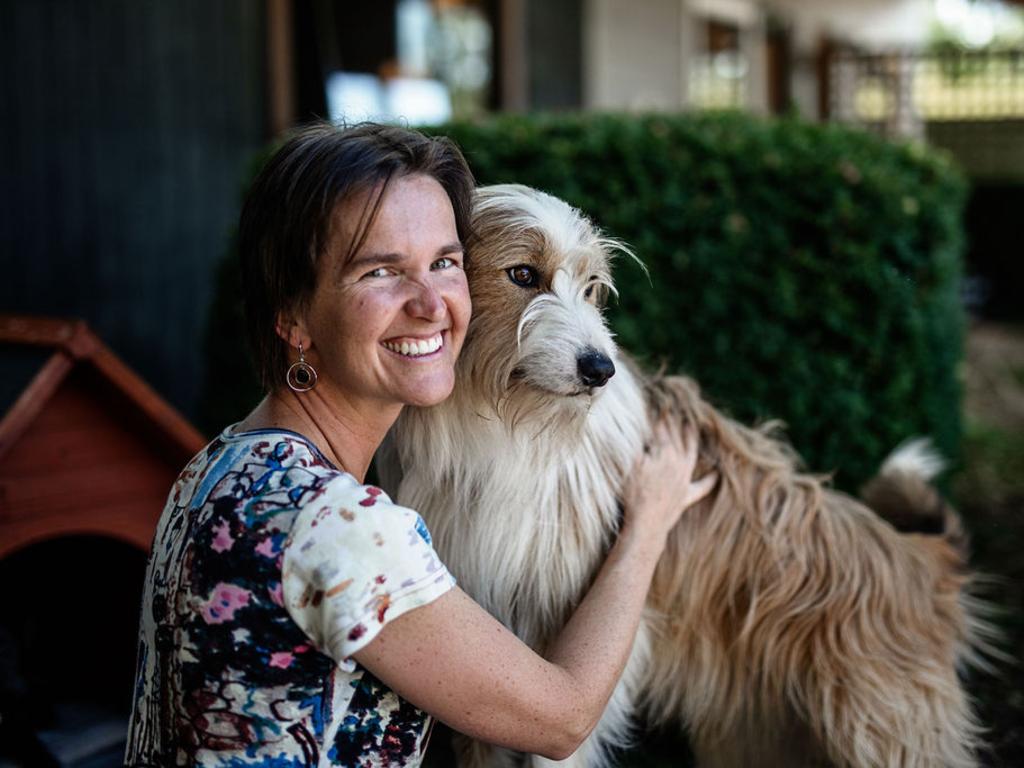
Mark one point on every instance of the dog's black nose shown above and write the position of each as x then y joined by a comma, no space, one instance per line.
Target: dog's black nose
595,369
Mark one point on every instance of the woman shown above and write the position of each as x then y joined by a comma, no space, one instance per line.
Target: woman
293,615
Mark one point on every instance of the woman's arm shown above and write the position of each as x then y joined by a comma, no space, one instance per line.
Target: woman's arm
454,660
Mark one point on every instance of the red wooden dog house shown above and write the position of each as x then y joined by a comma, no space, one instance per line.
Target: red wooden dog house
88,453
87,447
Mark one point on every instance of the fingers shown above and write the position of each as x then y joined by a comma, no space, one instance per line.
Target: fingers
683,444
681,440
661,486
670,457
662,435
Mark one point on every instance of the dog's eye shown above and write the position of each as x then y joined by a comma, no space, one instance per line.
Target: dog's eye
522,275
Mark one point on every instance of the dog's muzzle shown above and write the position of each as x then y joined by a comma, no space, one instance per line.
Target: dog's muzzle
594,368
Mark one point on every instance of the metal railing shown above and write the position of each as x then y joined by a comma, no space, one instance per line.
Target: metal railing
898,93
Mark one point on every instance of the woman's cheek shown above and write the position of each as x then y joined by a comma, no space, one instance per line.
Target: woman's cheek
378,298
457,288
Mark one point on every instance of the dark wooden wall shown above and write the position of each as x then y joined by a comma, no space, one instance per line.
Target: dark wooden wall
554,40
126,127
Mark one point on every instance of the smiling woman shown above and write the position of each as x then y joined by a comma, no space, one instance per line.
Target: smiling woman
293,615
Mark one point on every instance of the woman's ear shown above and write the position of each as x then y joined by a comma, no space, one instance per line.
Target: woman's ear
292,330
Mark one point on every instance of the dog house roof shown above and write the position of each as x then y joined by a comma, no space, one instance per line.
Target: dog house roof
86,446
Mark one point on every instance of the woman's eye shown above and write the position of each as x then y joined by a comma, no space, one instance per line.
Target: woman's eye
443,263
523,275
378,272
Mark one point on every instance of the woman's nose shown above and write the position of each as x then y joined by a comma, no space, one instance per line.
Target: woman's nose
426,302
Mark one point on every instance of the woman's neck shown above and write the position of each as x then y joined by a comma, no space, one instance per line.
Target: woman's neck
346,435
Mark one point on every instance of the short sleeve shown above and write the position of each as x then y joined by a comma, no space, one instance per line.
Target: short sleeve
354,561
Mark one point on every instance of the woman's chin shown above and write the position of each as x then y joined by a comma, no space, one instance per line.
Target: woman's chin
431,393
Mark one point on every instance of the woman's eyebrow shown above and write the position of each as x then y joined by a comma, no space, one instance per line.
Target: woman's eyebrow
455,247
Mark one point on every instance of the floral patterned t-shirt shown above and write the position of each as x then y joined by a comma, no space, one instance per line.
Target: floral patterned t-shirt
269,569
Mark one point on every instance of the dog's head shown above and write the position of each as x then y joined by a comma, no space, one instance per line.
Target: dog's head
539,274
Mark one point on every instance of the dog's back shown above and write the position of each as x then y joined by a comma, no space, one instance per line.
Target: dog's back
794,605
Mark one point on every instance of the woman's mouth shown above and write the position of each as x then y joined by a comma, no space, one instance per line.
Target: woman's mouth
411,347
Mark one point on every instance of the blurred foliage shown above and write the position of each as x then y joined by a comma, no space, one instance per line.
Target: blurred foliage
996,473
798,271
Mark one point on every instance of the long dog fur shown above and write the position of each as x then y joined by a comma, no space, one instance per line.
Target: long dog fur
788,624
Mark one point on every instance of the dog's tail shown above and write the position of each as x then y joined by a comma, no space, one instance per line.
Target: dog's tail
902,494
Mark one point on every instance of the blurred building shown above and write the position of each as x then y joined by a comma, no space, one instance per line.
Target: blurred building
763,56
130,128
871,62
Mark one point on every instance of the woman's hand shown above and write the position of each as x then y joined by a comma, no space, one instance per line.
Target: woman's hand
661,486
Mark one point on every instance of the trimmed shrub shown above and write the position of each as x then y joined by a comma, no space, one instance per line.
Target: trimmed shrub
798,271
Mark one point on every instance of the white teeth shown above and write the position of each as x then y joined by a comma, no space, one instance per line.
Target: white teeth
415,348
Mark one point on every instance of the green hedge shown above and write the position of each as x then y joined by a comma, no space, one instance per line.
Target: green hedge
798,271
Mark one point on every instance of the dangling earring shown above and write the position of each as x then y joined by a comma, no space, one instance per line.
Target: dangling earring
301,376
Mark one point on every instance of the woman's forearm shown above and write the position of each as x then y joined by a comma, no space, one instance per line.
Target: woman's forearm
454,660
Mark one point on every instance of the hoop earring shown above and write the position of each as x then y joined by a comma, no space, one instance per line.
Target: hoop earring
301,376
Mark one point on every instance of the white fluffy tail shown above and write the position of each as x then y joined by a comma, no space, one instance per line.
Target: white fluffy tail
902,494
916,456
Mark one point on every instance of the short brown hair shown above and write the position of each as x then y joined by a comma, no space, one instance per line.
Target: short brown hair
286,219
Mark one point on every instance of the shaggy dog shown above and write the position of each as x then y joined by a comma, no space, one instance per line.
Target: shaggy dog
788,624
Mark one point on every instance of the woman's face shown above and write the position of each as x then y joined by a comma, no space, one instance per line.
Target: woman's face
386,327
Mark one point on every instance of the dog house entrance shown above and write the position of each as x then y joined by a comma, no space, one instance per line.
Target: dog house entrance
68,624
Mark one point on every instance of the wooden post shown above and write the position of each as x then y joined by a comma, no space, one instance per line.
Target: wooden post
280,67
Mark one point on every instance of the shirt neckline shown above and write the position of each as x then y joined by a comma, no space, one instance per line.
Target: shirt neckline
229,433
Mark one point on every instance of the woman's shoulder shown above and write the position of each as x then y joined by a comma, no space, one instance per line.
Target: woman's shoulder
266,473
249,484
271,465
274,448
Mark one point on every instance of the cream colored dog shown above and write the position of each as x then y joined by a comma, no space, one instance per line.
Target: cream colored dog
789,624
